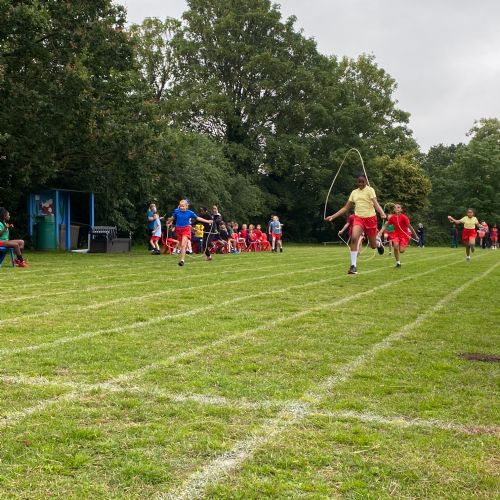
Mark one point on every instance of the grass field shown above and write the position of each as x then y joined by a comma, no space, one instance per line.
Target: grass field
253,376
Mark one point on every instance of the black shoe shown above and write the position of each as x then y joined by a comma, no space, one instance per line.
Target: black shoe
281,249
181,263
352,270
398,265
380,247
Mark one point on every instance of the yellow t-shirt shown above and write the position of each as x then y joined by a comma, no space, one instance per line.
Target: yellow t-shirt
469,222
363,201
198,230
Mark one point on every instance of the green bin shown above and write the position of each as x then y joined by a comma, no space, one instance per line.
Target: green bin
46,232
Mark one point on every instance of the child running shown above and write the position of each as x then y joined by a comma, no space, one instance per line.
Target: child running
181,217
156,235
276,234
469,233
17,245
399,230
364,201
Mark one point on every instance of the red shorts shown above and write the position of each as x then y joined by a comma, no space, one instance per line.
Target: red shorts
183,231
3,243
276,236
369,224
494,239
467,234
155,238
402,241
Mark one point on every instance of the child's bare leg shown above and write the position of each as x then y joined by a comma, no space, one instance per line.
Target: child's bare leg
397,250
373,241
360,243
183,247
14,244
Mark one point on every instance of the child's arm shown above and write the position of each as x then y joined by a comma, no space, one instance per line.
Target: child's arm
413,231
384,225
343,210
451,219
346,225
379,209
206,221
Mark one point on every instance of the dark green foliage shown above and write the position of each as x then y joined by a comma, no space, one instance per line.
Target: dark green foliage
233,106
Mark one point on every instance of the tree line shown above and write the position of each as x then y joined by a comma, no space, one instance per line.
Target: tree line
230,105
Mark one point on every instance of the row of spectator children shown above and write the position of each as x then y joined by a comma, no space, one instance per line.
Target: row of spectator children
226,238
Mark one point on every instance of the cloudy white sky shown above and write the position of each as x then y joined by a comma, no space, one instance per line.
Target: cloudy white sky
444,54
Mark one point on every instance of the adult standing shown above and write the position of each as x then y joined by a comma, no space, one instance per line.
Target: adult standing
209,230
216,216
454,236
421,234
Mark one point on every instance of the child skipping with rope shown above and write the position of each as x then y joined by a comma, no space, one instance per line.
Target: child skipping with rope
364,201
469,233
181,217
398,227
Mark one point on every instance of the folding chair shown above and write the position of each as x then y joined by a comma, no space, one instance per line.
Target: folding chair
3,253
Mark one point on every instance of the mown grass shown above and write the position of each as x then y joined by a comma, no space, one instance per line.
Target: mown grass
125,376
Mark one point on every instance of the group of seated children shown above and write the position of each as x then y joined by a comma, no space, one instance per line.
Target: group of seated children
220,237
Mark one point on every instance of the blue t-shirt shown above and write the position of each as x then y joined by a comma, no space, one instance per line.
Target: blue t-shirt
275,227
157,228
151,223
182,219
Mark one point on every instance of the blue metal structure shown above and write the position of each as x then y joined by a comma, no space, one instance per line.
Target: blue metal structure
56,202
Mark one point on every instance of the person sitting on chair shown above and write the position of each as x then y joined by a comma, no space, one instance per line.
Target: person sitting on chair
16,245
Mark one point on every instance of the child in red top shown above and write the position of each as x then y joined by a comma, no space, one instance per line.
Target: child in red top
349,226
494,237
399,230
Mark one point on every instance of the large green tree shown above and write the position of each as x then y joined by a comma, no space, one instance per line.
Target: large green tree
67,107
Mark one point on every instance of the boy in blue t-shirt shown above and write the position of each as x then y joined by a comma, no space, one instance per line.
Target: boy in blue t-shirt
156,234
276,234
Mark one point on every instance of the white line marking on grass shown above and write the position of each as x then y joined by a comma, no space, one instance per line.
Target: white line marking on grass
159,319
127,377
221,466
403,421
123,284
245,404
192,312
151,266
156,294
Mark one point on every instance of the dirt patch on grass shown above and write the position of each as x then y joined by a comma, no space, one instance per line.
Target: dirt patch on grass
478,356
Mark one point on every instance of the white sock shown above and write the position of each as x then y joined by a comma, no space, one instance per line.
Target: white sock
398,262
354,256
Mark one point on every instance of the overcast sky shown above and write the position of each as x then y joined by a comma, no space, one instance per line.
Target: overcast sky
444,54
